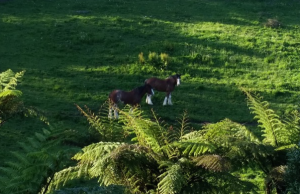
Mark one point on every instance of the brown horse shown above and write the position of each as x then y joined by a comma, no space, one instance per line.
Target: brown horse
132,98
163,85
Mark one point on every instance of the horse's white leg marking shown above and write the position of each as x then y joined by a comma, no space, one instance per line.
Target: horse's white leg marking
152,91
116,114
169,100
148,99
178,82
165,101
110,112
131,111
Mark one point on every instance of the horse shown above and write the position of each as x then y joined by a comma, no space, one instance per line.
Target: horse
132,98
163,85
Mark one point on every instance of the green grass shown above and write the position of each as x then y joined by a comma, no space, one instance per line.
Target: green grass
76,52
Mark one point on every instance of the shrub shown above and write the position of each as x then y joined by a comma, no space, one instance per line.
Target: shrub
293,170
153,58
273,23
141,58
165,59
159,61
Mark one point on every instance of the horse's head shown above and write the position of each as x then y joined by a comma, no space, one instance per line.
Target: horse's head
149,89
177,76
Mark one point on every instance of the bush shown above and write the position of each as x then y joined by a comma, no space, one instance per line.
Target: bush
293,171
272,23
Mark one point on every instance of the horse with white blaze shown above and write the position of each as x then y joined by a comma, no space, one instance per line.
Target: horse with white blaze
163,85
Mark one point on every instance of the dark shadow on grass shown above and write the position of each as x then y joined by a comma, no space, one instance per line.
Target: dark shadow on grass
69,35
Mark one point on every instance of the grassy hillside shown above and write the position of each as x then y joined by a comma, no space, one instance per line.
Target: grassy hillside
76,52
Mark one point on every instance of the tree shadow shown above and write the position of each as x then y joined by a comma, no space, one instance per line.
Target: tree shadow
79,51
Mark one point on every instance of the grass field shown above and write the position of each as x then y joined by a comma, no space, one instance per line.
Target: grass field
76,52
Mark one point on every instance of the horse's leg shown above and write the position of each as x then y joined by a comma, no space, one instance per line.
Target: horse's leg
166,99
110,112
148,99
170,100
116,112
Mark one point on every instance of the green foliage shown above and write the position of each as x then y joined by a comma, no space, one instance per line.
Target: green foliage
276,131
9,103
92,190
213,163
282,135
215,47
156,159
31,169
141,58
172,180
292,172
102,128
160,62
8,83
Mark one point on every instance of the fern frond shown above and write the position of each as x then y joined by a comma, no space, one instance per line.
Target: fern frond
177,132
9,103
62,177
213,162
8,79
268,121
106,129
227,129
292,128
95,151
194,147
6,93
148,133
172,180
134,166
94,121
30,168
95,158
194,135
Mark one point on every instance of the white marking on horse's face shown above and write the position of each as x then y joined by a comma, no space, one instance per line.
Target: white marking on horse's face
178,81
119,97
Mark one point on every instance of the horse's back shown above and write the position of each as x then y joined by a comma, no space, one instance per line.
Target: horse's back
156,83
161,85
119,96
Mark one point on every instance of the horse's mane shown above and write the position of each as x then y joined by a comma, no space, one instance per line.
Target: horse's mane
140,89
174,76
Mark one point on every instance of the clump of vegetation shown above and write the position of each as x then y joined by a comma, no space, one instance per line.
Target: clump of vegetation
293,170
165,59
141,58
159,62
10,104
153,59
155,157
273,23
